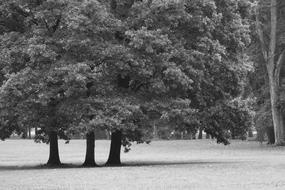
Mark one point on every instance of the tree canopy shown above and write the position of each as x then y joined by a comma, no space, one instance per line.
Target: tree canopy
73,66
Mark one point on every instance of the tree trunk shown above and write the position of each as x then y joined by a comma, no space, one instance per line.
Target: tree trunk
193,136
36,131
277,117
53,150
200,135
273,60
25,133
250,133
115,149
270,135
273,69
207,136
29,133
155,131
90,154
260,135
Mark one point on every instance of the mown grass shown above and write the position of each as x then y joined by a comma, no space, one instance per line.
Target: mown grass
196,164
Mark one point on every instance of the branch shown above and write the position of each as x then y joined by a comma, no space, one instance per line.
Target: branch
56,25
272,45
261,38
279,65
46,24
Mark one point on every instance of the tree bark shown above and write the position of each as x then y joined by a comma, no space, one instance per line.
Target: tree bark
90,153
53,150
200,135
115,149
277,116
273,60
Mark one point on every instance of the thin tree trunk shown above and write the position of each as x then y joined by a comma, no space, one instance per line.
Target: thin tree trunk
115,149
155,132
90,153
207,136
53,150
194,136
277,117
29,133
250,133
200,135
25,133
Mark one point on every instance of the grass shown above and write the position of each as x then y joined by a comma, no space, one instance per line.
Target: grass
162,165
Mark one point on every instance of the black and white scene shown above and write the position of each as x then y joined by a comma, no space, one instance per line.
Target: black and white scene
142,94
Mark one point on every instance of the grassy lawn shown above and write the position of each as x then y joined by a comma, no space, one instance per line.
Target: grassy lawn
195,165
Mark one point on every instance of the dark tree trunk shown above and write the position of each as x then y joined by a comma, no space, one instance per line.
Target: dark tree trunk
200,135
53,150
36,131
194,136
115,149
25,133
29,133
207,136
250,133
260,135
90,154
270,135
155,131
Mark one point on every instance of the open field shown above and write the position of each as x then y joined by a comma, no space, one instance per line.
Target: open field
195,165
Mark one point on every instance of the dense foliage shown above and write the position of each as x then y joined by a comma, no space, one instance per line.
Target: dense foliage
72,66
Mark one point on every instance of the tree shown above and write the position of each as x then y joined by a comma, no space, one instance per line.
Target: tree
269,27
208,58
59,66
88,64
165,60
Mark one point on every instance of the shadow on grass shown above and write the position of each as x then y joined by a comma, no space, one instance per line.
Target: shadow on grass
127,164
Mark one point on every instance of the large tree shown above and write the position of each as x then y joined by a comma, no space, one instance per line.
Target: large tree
190,51
270,29
54,66
86,64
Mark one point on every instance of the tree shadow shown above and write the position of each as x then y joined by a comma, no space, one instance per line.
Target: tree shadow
126,164
173,163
